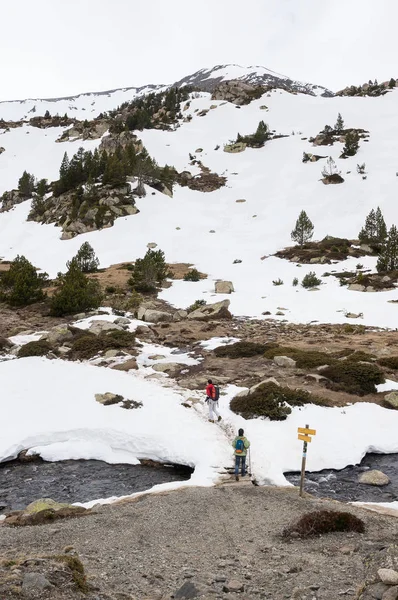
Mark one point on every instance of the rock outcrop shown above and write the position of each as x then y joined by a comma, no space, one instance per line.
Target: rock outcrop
237,92
208,312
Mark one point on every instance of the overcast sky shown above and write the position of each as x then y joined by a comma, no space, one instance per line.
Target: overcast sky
52,48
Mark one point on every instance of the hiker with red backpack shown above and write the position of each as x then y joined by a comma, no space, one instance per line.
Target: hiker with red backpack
212,396
240,444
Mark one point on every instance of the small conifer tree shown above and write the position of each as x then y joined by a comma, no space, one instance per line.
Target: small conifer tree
351,144
374,230
85,259
304,229
388,258
26,184
339,126
76,293
21,284
149,271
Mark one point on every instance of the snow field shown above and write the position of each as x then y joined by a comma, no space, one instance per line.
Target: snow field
276,186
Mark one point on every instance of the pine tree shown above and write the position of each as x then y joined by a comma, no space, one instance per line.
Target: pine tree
47,114
388,259
85,259
339,126
375,230
64,168
381,229
369,231
304,229
262,133
351,144
26,184
149,271
42,188
77,292
21,284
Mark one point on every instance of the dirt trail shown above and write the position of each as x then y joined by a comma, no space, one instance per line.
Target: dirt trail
206,537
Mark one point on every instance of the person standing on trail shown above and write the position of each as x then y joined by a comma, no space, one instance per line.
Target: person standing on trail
212,395
240,444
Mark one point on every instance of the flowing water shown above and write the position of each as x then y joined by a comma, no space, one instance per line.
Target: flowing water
343,485
78,480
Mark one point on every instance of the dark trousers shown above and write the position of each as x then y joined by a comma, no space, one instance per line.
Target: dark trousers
240,460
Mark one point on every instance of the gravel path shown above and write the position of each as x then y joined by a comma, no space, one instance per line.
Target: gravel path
204,538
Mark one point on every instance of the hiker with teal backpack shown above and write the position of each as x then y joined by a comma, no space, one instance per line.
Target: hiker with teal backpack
241,445
212,396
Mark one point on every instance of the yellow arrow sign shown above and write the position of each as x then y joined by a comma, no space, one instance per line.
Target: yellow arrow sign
306,431
304,438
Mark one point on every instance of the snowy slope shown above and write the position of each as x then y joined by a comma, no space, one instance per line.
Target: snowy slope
89,105
83,106
276,186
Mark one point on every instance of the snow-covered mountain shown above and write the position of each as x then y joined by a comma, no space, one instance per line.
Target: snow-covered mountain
208,79
89,105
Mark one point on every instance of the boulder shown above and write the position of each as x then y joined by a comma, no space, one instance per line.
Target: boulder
246,392
351,315
122,321
391,399
108,398
388,576
33,585
374,477
208,312
179,315
43,504
154,316
235,148
100,326
284,361
126,366
224,287
58,335
169,368
233,586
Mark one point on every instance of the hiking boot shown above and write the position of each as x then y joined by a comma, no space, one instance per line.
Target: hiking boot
219,418
236,477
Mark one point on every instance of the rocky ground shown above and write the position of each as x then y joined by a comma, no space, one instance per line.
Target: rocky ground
220,543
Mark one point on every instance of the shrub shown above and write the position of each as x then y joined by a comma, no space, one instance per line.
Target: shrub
351,144
110,289
21,284
192,275
197,304
272,401
240,350
324,521
391,362
277,281
77,292
86,259
310,280
305,359
88,345
38,348
149,271
354,377
295,282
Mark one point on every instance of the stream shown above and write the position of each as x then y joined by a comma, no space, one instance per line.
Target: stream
343,485
78,480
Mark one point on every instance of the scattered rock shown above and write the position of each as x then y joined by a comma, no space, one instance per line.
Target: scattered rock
128,365
100,326
388,576
351,315
33,584
170,368
240,201
374,477
391,593
151,245
154,316
224,287
187,591
392,399
108,398
233,586
122,321
235,148
284,361
357,287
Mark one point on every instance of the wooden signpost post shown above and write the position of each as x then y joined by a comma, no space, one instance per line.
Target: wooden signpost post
304,434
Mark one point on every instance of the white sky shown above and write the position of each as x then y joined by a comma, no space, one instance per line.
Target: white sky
51,48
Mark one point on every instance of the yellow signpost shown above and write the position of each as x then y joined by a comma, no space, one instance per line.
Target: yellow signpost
304,435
